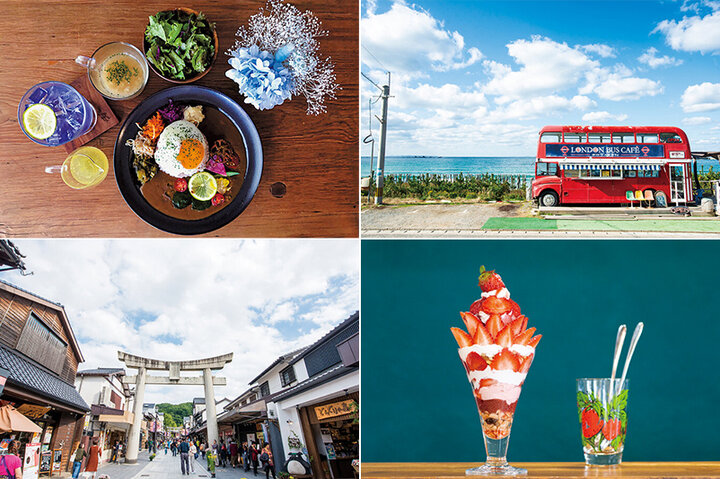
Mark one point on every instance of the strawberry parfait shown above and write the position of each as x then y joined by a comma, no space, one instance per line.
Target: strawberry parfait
497,350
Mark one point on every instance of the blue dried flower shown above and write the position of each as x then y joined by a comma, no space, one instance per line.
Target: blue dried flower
262,78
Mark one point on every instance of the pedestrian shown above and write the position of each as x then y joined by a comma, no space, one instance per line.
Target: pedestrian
266,457
166,447
80,454
202,450
246,456
10,463
197,448
93,458
193,456
233,453
254,453
184,451
223,453
115,451
211,462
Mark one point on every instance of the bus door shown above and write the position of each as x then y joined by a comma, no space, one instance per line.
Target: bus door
678,183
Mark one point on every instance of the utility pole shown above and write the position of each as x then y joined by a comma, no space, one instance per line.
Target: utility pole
383,138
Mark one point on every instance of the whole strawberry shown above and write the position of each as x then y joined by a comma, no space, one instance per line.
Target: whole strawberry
490,280
591,422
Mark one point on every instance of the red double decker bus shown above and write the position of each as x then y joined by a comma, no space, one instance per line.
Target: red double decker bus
602,164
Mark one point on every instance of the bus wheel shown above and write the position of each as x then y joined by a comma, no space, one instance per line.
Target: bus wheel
549,198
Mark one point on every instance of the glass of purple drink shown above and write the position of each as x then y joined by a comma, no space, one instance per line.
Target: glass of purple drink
74,115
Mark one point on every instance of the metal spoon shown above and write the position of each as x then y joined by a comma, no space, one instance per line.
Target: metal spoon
633,343
619,341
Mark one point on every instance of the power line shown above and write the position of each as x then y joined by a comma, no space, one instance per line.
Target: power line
375,58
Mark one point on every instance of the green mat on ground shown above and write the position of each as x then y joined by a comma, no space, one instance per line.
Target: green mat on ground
501,223
688,225
679,225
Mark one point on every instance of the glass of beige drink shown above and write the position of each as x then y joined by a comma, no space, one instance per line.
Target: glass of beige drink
117,70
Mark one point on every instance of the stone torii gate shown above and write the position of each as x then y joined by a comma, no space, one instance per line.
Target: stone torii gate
143,365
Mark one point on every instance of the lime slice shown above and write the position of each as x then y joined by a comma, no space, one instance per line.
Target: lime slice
202,186
39,121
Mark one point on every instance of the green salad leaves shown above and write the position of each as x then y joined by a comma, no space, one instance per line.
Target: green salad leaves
179,45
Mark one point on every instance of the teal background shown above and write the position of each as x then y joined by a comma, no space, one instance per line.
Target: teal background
418,405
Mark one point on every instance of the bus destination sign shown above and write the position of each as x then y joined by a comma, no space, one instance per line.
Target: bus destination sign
605,151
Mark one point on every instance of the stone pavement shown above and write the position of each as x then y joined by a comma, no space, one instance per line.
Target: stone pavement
168,467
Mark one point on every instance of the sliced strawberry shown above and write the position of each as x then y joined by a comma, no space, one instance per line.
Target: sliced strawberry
518,325
524,337
515,308
505,360
526,362
495,305
505,337
486,382
471,322
533,342
482,336
489,280
494,325
463,339
476,306
475,362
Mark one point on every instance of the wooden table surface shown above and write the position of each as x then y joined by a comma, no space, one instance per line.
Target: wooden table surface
315,157
548,470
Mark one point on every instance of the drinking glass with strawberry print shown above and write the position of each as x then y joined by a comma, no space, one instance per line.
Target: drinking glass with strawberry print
603,419
496,349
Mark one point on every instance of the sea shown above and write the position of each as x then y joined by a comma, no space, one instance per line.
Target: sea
498,165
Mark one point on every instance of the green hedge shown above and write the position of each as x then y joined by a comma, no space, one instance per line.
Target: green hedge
432,187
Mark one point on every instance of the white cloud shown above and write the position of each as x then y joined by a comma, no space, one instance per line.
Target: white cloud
409,40
650,58
605,51
602,116
697,120
187,299
696,33
546,67
702,97
539,106
618,88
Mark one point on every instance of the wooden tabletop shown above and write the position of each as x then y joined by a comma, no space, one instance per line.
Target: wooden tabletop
315,157
548,470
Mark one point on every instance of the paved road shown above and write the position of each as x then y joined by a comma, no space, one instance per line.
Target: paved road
437,216
168,467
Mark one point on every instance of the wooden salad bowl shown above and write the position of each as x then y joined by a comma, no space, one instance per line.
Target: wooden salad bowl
189,11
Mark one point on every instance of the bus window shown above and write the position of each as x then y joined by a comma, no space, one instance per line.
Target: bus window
670,138
648,173
630,173
547,169
575,138
623,138
572,173
551,137
598,137
616,173
595,173
647,138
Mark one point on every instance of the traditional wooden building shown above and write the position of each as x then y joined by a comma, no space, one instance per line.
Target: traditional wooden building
39,349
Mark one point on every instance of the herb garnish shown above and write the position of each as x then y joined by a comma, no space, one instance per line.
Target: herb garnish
119,72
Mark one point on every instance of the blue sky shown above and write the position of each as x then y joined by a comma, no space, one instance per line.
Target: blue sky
186,299
480,78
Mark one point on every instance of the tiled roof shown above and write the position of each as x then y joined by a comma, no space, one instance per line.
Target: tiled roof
326,376
36,379
101,372
355,317
285,357
11,256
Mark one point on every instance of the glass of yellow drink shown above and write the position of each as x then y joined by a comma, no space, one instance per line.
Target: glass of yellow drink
117,70
83,168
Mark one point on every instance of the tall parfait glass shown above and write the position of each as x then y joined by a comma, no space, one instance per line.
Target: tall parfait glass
496,350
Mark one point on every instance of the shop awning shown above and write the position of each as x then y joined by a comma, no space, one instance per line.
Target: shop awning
13,421
609,166
120,421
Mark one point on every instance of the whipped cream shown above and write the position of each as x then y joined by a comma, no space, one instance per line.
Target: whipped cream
522,349
488,350
483,316
502,293
502,376
504,392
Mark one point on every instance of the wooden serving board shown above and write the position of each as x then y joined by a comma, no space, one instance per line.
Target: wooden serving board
106,118
547,470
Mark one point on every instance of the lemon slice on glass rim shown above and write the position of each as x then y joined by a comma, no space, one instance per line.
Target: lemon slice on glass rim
39,121
202,186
